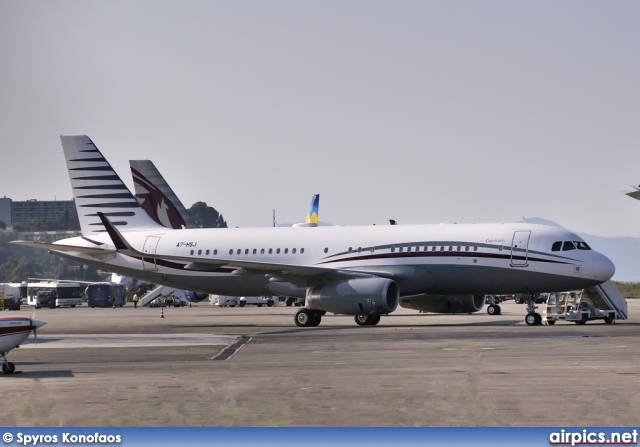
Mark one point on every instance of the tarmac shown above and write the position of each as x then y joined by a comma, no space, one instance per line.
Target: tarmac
209,366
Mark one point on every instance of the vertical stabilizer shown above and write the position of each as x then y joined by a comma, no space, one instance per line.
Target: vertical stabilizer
157,198
312,216
97,187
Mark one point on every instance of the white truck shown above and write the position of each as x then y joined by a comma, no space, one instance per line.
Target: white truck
241,301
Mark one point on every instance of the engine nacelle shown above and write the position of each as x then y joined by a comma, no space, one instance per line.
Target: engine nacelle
444,304
195,297
355,296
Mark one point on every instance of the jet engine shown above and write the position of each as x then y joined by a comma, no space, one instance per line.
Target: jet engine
444,304
361,296
195,297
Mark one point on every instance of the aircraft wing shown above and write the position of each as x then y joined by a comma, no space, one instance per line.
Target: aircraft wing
65,248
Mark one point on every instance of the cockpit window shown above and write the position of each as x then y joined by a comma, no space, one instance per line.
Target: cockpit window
582,245
556,246
568,245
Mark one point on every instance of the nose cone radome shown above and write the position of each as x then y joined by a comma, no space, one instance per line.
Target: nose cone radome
605,269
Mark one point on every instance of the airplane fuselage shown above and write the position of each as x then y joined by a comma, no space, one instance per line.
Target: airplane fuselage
421,259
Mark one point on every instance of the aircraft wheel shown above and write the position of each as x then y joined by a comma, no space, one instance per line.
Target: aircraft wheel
494,309
315,319
304,318
8,368
551,322
609,320
270,303
367,320
242,303
530,319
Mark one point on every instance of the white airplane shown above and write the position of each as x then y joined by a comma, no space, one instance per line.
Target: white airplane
13,331
361,271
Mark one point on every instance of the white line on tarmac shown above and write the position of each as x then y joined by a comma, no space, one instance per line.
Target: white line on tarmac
127,340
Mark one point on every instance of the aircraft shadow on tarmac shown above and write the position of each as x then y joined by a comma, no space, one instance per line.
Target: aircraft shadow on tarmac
55,374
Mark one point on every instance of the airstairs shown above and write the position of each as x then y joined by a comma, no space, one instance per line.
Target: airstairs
605,296
155,293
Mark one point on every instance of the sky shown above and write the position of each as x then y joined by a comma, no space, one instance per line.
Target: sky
418,111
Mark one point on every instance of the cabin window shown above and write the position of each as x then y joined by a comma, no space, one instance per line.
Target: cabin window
326,249
433,248
207,252
466,248
231,251
475,248
582,245
286,250
359,249
568,245
262,251
301,250
215,252
400,249
459,248
393,249
239,251
255,251
191,252
556,246
270,250
277,251
199,252
450,248
293,250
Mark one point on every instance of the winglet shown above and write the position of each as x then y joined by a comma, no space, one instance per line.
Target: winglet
118,240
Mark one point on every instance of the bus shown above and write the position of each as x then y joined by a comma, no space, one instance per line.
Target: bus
63,294
105,294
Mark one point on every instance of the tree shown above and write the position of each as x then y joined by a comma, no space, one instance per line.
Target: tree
206,216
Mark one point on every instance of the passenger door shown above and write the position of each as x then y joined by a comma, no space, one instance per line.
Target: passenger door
520,249
150,248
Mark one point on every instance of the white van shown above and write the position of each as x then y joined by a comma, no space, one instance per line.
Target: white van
256,300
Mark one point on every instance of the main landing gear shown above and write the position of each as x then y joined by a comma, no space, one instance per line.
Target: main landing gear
308,318
7,367
311,318
367,320
494,309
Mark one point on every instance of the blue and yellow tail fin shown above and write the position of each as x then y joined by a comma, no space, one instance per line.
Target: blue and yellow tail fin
312,216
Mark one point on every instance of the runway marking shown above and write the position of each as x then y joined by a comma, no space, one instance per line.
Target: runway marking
231,350
67,341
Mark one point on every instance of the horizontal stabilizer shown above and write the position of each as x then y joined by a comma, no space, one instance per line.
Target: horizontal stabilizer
65,248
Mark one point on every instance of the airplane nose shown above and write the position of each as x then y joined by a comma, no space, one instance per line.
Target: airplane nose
605,268
38,323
